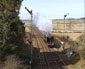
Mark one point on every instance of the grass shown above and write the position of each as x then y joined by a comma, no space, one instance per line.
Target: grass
77,61
13,62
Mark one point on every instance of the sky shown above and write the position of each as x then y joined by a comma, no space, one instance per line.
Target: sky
53,9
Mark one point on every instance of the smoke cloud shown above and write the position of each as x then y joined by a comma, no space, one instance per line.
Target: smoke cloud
43,23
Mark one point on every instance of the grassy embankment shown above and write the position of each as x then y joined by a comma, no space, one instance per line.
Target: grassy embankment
77,59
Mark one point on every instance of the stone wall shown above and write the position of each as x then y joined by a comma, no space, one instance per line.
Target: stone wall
71,27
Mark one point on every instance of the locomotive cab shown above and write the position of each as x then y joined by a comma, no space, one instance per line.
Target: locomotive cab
50,41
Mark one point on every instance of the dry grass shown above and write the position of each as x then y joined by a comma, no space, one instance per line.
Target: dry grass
12,62
77,47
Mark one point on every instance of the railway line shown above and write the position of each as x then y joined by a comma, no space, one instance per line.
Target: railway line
44,57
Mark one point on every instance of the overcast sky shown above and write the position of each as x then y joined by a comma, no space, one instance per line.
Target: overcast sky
53,9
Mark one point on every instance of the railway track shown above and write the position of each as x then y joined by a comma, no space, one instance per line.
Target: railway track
44,57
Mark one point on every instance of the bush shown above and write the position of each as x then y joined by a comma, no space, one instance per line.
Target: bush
13,62
11,28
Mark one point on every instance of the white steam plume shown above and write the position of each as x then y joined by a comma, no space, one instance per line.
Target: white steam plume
43,23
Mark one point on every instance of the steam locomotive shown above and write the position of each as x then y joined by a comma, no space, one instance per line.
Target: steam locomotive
50,41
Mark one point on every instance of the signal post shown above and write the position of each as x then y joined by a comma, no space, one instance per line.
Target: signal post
30,12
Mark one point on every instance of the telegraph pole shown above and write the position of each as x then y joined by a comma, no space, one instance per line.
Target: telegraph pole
84,25
31,38
30,12
65,24
64,31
